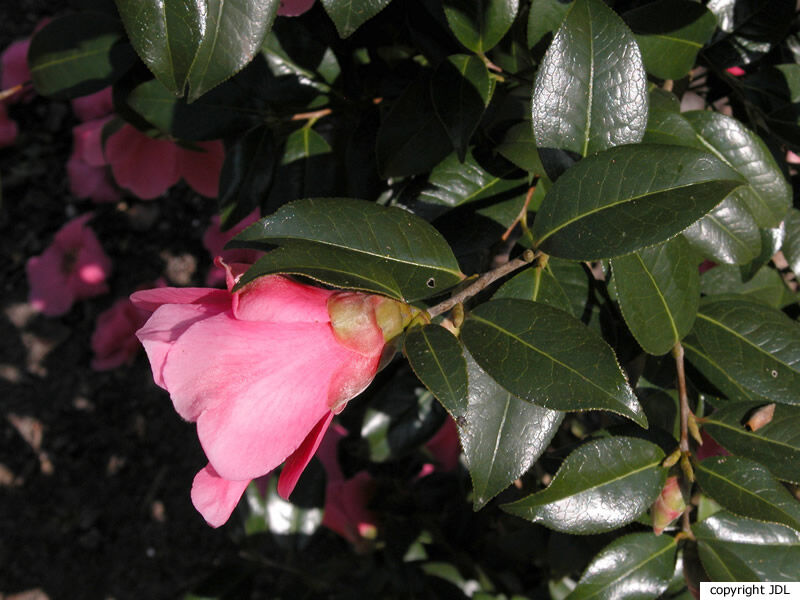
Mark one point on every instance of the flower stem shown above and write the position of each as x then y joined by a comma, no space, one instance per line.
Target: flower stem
685,411
483,281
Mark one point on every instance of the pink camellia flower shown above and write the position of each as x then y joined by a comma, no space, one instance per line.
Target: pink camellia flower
346,500
94,106
14,66
736,71
148,167
444,446
87,168
261,371
8,128
114,340
72,268
214,240
294,8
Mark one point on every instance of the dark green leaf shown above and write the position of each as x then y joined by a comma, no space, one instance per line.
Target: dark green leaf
435,355
604,484
670,33
638,565
502,435
354,244
746,488
453,183
767,286
545,16
411,138
771,242
547,356
461,90
349,15
758,347
738,549
78,54
233,32
562,284
627,198
590,92
480,24
775,445
166,35
306,170
728,234
767,194
246,175
519,146
791,245
658,292
669,127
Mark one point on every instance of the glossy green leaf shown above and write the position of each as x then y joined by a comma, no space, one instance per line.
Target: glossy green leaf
767,194
519,146
734,548
776,445
454,182
666,126
604,484
246,175
757,346
562,284
411,138
306,169
435,355
545,16
78,54
767,286
791,245
480,24
746,488
354,244
658,292
166,35
637,565
349,15
590,92
728,234
461,90
771,241
502,435
547,356
627,198
232,36
670,33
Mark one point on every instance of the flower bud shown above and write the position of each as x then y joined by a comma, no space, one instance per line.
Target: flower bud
669,505
361,321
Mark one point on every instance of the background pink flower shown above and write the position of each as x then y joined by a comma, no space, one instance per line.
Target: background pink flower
114,340
214,240
72,268
261,371
14,65
294,8
444,446
148,167
87,168
94,106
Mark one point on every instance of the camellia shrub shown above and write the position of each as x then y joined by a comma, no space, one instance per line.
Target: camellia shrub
530,264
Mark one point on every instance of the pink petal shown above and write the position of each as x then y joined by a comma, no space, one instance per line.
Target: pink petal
294,8
346,510
145,166
163,328
444,446
49,292
94,105
92,267
114,340
214,497
201,169
86,181
261,386
299,459
150,300
15,65
87,139
279,299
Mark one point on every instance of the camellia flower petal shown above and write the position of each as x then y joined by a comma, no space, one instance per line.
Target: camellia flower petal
214,240
114,340
72,268
261,371
294,8
87,167
14,67
94,106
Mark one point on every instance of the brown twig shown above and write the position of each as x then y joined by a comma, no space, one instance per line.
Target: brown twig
522,213
314,115
483,281
11,91
685,411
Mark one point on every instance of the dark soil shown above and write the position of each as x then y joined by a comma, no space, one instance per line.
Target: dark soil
95,468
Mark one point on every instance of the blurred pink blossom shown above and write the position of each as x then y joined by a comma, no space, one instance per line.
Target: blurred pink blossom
148,167
214,239
94,106
114,340
8,128
15,72
346,500
736,71
710,447
261,370
294,8
86,167
72,268
445,447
